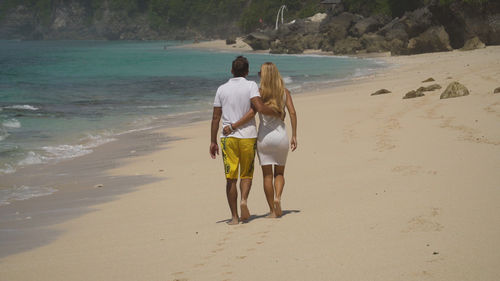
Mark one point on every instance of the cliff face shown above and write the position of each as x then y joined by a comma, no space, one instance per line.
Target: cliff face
433,28
74,20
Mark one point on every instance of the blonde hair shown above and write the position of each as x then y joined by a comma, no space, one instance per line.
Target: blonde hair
272,87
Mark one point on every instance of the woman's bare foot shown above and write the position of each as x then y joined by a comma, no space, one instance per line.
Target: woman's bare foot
277,208
245,213
271,215
233,221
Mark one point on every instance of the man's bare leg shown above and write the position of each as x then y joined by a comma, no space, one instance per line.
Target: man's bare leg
267,174
279,184
232,199
245,185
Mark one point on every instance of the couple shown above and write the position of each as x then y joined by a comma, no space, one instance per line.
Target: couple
237,102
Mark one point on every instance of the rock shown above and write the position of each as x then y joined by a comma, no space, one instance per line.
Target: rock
398,47
380,92
98,185
374,43
290,45
350,45
336,28
432,87
231,40
258,41
434,39
472,44
319,17
394,30
454,90
413,94
496,91
428,80
417,21
367,25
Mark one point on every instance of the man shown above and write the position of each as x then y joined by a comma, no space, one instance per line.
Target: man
232,100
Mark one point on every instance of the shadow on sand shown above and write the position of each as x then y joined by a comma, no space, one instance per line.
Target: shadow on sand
254,217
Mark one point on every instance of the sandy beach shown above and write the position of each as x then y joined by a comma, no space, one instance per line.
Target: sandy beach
380,188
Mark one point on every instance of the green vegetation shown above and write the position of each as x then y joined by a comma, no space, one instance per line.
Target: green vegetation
397,8
164,15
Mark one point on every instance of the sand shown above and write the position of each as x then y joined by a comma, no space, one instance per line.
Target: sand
380,188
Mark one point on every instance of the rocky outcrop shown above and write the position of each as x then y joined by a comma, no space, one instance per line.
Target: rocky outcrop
349,45
258,40
496,91
434,39
430,79
336,29
472,44
430,88
413,94
368,25
454,90
374,43
381,92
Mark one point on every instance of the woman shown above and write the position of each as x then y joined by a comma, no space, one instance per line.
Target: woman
272,140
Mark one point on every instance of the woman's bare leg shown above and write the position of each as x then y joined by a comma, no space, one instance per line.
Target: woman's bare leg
279,184
267,175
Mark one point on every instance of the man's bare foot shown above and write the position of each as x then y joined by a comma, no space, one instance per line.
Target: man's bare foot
277,208
233,221
245,213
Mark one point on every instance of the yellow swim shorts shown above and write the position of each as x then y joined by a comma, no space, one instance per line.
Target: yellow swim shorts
238,152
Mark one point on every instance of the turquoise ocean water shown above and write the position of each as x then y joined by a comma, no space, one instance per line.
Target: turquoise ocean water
61,99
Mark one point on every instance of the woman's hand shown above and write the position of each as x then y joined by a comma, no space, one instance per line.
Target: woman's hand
226,130
293,143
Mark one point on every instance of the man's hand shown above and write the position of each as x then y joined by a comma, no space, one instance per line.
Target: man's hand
214,149
226,131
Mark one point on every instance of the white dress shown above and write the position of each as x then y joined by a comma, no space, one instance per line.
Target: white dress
272,140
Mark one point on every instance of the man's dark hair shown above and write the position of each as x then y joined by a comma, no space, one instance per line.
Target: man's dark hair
240,67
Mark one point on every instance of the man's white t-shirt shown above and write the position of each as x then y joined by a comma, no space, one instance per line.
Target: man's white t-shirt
234,98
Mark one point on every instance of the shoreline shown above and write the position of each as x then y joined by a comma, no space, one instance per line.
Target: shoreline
387,196
240,46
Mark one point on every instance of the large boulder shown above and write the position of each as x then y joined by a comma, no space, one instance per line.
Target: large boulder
374,43
291,45
429,88
454,90
472,44
258,40
413,94
398,47
370,24
434,39
336,28
349,45
410,25
496,91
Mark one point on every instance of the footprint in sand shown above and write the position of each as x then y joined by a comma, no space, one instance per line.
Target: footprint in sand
425,223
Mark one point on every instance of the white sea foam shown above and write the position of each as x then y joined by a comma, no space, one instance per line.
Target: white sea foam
8,169
31,159
154,106
23,107
65,151
23,193
11,123
287,79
